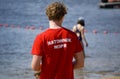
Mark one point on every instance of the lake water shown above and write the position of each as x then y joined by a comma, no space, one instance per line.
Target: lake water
103,53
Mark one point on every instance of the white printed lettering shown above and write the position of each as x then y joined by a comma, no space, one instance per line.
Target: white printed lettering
59,41
60,46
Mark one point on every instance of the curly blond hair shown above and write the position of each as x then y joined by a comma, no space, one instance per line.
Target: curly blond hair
56,10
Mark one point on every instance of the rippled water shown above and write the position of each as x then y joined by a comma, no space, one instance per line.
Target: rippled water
103,53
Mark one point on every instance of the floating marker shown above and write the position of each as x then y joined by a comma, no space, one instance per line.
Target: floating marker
27,27
32,28
41,28
1,25
95,31
105,32
12,26
6,25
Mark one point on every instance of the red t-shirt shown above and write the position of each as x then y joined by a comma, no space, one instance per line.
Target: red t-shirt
57,47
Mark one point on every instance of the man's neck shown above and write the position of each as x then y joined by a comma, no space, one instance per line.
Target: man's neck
55,24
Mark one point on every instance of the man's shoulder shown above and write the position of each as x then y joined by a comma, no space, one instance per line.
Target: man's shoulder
48,31
43,32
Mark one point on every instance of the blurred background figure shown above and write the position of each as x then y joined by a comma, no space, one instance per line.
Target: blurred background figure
79,30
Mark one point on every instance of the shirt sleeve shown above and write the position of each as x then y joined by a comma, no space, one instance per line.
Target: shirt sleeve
37,46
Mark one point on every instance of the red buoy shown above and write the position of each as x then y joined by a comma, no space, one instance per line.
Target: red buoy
105,32
95,31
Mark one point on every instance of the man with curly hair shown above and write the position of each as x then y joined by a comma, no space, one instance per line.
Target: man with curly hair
54,49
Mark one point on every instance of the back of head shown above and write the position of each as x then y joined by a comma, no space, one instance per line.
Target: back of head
56,11
81,21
